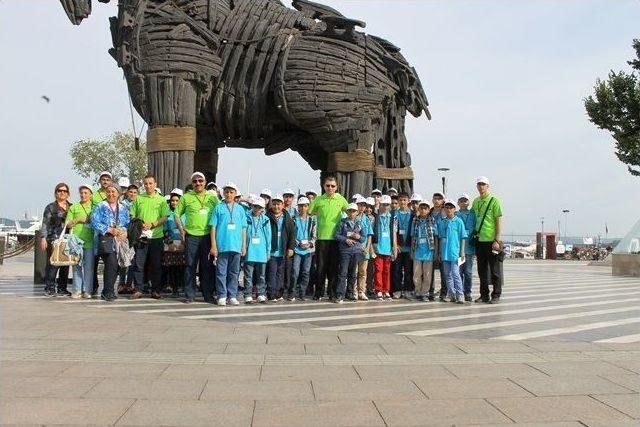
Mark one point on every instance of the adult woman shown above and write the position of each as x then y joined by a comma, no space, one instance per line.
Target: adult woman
110,220
53,220
79,219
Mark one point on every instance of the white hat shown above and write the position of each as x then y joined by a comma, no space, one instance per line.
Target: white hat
266,192
385,199
449,202
464,196
288,191
311,192
356,196
425,202
124,182
392,189
415,197
376,191
352,207
370,201
303,201
361,199
197,175
258,201
177,191
87,186
482,180
105,173
231,185
437,193
277,197
212,185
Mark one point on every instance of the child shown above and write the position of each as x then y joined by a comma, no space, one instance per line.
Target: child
468,217
452,235
283,240
385,246
303,251
258,251
349,236
360,293
402,283
370,255
423,246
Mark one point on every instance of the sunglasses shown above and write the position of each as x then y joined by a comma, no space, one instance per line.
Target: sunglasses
61,190
330,186
195,181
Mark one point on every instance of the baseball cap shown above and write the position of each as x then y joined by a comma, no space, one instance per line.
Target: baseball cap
438,194
197,175
105,173
376,191
177,192
449,202
231,185
415,197
352,207
385,199
266,192
356,196
311,192
464,196
370,201
211,185
277,197
124,182
87,186
360,199
425,202
482,180
258,201
288,191
392,189
303,201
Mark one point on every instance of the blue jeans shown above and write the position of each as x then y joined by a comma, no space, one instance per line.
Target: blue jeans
452,278
347,275
257,268
466,271
83,273
227,271
197,252
275,276
300,275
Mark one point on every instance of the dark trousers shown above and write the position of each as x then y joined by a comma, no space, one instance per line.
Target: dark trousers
275,276
443,282
197,253
148,255
327,269
110,273
489,270
51,272
402,271
95,274
348,273
313,277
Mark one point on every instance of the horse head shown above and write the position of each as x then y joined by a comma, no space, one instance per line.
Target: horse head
77,10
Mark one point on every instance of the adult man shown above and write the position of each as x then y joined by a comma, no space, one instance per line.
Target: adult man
328,208
437,214
197,205
150,208
288,196
228,243
100,194
402,269
488,229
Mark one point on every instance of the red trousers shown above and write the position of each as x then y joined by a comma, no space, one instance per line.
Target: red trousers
382,273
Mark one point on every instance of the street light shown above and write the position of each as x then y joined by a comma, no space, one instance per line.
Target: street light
565,212
444,179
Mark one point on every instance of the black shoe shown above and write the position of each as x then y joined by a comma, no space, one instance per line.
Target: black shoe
494,300
468,298
107,298
431,298
64,293
484,300
187,300
50,292
459,301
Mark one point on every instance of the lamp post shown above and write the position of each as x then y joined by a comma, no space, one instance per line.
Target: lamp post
565,212
444,179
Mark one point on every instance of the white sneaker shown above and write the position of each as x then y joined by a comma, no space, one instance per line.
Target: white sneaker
75,295
386,295
363,297
86,295
248,300
380,296
222,302
233,301
262,299
397,295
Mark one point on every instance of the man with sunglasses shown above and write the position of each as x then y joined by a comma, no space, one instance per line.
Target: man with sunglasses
196,205
328,209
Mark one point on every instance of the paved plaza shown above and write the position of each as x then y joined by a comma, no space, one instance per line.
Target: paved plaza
562,349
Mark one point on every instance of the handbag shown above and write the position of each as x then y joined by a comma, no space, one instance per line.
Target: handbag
473,241
58,257
107,242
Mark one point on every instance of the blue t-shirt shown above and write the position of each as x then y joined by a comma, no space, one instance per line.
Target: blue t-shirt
302,233
468,217
367,230
451,231
403,229
420,242
258,238
278,252
171,228
383,247
293,211
229,221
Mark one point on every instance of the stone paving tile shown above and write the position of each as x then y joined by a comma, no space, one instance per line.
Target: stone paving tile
329,349
32,344
303,339
211,372
108,346
138,336
366,390
297,372
433,359
114,370
51,386
630,381
287,349
495,347
235,359
439,412
359,338
563,346
185,347
568,386
62,410
257,390
562,408
403,372
626,403
515,357
633,423
296,359
470,388
27,368
631,365
565,356
316,414
561,369
494,370
148,389
422,348
188,413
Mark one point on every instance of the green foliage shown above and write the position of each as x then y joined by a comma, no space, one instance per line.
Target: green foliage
615,107
116,154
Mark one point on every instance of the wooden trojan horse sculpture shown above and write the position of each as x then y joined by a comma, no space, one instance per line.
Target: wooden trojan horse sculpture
205,74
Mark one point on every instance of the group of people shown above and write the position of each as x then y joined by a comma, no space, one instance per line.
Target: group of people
271,247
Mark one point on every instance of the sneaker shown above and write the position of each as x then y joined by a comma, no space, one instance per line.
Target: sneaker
291,298
107,298
410,295
222,302
76,295
233,301
363,297
279,299
187,300
262,299
156,295
136,295
459,300
495,300
481,299
432,298
86,295
397,295
302,299
467,298
50,292
249,300
352,298
386,295
338,300
63,293
273,299
379,296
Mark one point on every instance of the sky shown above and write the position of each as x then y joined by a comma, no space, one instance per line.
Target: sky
505,81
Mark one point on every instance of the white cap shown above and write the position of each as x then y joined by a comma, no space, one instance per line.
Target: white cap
311,192
303,201
177,191
385,199
482,180
105,173
197,175
415,197
87,186
231,185
258,201
288,191
124,182
266,192
449,202
356,197
370,201
277,197
392,189
352,207
437,193
361,199
464,196
212,185
376,191
425,202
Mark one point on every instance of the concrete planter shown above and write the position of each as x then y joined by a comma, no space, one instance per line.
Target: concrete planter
626,265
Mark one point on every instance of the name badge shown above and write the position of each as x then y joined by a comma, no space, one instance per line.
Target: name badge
279,234
147,234
231,226
423,241
350,233
401,232
304,242
255,240
385,234
203,211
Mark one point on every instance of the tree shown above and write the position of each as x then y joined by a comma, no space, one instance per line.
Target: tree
116,154
615,107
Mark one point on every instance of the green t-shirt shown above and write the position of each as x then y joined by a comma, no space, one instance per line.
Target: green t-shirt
99,196
329,212
82,230
197,210
150,208
479,206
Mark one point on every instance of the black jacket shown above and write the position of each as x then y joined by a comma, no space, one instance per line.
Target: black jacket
134,233
288,232
53,220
